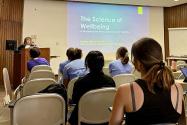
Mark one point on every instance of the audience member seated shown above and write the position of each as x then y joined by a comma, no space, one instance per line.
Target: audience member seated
69,54
94,80
121,65
75,68
153,99
35,59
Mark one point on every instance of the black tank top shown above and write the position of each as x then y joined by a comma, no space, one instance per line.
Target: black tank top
156,108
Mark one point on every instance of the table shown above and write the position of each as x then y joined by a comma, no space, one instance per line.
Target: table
169,59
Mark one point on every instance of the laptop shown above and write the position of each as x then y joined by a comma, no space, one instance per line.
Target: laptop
184,72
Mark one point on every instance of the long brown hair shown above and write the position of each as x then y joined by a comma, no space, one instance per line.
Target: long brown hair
122,53
149,53
26,40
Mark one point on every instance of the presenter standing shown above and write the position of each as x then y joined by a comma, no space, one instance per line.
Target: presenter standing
27,43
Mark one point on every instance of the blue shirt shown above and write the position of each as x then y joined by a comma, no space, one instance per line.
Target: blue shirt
116,68
37,61
62,65
74,69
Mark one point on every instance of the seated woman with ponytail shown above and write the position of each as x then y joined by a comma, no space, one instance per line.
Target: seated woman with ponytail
121,65
153,99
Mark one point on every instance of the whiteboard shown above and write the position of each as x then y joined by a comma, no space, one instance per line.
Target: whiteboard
178,41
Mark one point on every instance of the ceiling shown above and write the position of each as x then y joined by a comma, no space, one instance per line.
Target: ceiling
161,3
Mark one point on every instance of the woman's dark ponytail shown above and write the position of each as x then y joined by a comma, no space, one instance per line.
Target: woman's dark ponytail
149,53
159,77
122,54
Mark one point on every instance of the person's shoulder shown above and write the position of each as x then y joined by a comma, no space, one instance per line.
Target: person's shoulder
86,78
113,63
64,63
42,59
123,92
80,61
179,86
130,63
80,82
124,87
109,79
70,63
83,79
29,61
21,46
75,64
107,76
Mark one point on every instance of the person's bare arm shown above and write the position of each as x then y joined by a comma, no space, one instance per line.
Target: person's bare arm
118,107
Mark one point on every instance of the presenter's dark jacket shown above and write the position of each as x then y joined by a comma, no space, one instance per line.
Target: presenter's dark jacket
84,84
22,46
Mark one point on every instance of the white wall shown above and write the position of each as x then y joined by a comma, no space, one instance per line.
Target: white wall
45,21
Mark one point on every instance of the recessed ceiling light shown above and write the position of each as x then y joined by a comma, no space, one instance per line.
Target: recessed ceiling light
176,0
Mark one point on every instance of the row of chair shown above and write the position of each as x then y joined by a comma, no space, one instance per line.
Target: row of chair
35,85
32,86
86,114
49,109
118,79
135,72
12,95
40,71
37,72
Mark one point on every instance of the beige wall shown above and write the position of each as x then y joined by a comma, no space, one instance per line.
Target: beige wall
156,25
45,22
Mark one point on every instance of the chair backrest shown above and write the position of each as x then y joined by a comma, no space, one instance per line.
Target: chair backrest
93,106
70,87
177,74
6,79
41,67
137,74
41,109
36,85
123,78
41,74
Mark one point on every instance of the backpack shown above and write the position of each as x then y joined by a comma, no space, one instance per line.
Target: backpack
58,89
